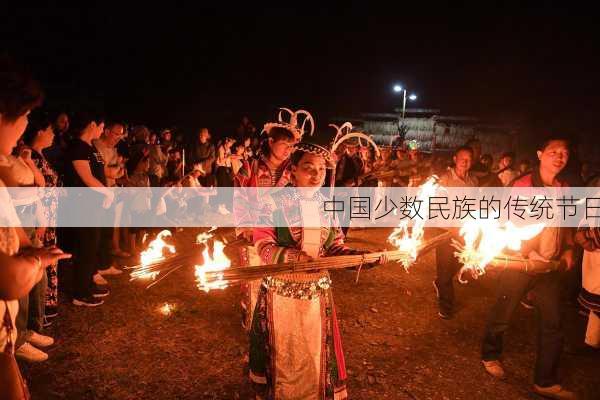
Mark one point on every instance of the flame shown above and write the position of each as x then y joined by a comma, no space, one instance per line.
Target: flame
153,254
486,239
410,241
203,237
166,309
218,262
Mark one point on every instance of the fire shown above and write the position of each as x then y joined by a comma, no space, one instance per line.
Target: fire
486,239
410,241
218,262
203,237
153,254
166,309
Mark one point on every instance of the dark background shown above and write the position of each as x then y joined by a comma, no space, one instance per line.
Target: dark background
172,65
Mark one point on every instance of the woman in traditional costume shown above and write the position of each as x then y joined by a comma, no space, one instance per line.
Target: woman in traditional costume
269,169
295,345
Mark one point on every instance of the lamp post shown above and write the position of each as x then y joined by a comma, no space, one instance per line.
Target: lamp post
412,97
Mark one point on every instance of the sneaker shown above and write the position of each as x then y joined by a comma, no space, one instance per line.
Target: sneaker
110,271
527,301
554,392
494,368
527,304
30,354
100,292
89,301
445,314
40,340
50,312
99,280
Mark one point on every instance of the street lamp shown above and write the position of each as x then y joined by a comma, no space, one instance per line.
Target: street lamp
412,97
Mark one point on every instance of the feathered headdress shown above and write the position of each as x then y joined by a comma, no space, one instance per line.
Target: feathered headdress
344,133
293,123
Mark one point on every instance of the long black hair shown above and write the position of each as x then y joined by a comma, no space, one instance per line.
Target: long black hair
38,121
19,92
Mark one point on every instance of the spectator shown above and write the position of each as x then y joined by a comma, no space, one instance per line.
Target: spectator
447,265
19,94
113,171
40,136
158,162
488,178
84,167
203,152
349,166
166,141
477,169
506,173
55,153
589,239
174,166
248,149
237,157
141,139
106,145
22,172
140,204
524,167
487,161
224,171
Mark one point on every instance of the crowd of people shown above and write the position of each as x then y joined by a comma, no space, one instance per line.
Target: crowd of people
85,150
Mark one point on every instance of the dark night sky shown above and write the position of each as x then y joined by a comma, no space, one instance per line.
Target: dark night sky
176,65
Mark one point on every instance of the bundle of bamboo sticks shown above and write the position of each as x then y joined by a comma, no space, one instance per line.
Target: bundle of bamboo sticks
171,263
162,268
524,264
240,274
506,261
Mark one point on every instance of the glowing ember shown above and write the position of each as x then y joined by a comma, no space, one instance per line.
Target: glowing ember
166,309
410,241
486,239
218,262
205,236
153,254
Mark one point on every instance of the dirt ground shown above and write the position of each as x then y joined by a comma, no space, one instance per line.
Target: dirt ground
396,346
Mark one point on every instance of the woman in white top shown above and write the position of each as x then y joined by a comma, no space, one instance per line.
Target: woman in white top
18,272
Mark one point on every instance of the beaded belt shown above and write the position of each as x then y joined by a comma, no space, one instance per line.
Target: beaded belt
304,290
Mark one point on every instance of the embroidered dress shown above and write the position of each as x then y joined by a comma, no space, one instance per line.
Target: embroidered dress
295,345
